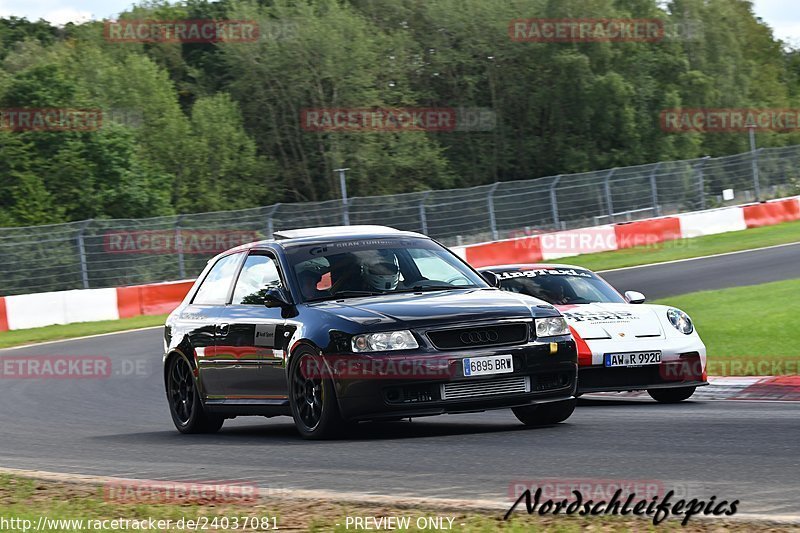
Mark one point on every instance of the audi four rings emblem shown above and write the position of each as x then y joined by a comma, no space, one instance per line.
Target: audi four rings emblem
475,337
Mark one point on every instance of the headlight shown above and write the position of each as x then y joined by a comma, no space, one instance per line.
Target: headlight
551,327
680,321
382,342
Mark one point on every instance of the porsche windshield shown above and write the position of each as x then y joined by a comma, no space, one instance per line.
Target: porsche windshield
560,286
342,269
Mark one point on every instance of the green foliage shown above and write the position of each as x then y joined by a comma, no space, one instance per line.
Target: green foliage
217,126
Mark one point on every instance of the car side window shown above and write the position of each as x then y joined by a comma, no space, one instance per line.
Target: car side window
214,289
259,274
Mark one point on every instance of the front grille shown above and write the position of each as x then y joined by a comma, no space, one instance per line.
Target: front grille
487,387
499,335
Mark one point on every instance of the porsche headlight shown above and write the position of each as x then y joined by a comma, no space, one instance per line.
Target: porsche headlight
680,321
551,327
384,342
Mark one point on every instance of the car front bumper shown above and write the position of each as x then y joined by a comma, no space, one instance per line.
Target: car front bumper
686,371
543,372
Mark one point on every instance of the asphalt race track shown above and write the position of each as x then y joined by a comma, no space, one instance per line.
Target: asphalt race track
750,267
120,426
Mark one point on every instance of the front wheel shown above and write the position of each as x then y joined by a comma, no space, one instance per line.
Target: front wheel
671,395
312,398
185,406
545,414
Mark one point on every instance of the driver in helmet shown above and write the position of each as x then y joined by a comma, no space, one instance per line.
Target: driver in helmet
381,271
554,290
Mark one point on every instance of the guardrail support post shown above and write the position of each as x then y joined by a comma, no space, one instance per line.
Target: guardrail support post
345,203
423,217
179,248
698,168
270,225
554,201
82,254
492,219
756,178
654,190
609,202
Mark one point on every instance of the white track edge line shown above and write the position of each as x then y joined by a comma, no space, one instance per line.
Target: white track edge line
673,261
45,343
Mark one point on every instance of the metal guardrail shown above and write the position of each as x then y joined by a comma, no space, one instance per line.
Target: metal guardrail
108,253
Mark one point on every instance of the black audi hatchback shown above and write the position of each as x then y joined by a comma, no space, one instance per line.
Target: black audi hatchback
338,325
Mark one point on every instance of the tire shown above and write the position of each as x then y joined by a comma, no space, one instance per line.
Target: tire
671,395
312,398
545,414
185,406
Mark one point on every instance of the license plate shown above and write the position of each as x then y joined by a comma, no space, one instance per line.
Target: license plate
632,359
493,364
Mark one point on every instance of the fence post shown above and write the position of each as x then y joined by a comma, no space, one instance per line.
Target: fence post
82,254
492,219
270,225
345,202
423,217
179,248
756,178
554,201
609,202
698,168
654,190
346,211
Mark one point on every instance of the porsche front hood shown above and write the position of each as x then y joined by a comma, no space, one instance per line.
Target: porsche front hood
606,321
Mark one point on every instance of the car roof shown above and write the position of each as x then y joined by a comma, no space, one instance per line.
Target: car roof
531,266
334,231
288,238
339,233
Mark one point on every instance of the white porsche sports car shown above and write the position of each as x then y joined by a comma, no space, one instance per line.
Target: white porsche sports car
623,344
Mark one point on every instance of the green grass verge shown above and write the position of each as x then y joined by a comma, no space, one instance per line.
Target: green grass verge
686,248
748,331
28,499
81,329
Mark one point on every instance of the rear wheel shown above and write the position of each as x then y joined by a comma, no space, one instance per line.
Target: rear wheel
185,405
545,414
312,398
671,395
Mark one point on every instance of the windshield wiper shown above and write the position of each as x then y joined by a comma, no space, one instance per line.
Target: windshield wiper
422,288
346,294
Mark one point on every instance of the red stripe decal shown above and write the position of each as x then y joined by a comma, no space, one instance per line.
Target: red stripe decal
584,353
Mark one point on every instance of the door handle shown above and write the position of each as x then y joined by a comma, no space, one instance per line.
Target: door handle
222,329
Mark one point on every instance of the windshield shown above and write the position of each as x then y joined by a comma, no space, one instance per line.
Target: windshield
345,269
560,286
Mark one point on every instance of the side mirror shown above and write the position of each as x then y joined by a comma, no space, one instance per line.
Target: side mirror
276,297
634,297
491,278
